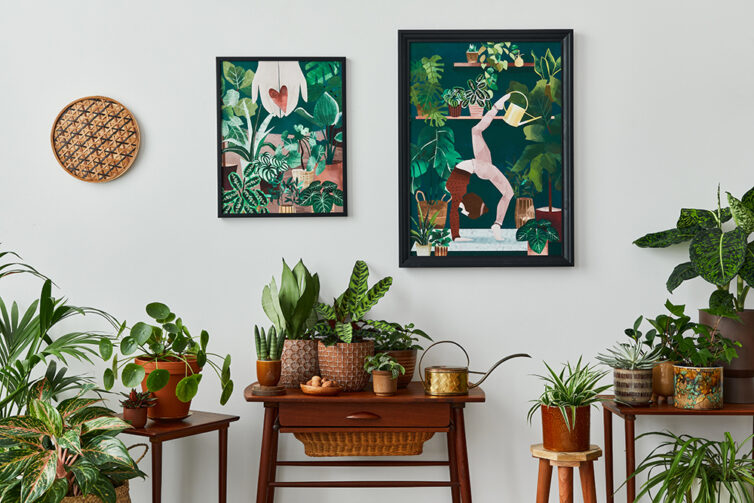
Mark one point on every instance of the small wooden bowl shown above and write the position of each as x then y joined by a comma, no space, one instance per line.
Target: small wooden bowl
318,390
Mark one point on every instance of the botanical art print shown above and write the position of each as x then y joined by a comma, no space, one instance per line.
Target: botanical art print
281,137
485,148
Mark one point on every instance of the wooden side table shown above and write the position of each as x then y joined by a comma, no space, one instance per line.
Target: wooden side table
410,410
198,422
628,414
565,462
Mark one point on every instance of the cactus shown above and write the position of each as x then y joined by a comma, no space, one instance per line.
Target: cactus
269,344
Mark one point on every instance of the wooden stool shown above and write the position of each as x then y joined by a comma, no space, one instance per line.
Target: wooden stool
566,461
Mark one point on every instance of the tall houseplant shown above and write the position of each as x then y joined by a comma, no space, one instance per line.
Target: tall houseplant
433,158
425,92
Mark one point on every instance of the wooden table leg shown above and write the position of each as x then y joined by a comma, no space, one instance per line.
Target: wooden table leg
223,464
586,473
273,458
270,411
565,484
453,465
156,471
630,459
462,456
607,418
544,479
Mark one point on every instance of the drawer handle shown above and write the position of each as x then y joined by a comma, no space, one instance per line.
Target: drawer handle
363,415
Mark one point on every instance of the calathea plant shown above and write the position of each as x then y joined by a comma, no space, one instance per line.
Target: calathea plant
478,93
321,196
291,306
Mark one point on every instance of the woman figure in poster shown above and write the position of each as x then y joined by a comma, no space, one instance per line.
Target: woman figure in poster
481,166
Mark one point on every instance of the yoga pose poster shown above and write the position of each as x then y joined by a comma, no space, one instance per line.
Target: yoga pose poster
486,148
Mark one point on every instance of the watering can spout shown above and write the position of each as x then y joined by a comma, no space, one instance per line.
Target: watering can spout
530,120
496,365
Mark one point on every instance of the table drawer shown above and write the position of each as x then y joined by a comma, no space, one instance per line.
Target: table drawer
364,415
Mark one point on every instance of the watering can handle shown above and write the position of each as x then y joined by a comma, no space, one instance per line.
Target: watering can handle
522,94
421,372
499,362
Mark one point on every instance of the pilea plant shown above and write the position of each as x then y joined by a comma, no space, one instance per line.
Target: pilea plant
383,362
537,233
269,346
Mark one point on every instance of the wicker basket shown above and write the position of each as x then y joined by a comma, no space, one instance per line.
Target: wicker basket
300,362
121,496
405,443
344,363
433,209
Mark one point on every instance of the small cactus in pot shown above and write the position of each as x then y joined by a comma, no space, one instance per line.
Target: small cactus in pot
269,346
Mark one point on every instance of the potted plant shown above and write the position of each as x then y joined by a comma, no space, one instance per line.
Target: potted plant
687,468
322,197
327,119
725,259
425,92
632,365
135,407
441,240
344,346
477,96
269,347
421,233
564,405
472,54
291,309
288,195
168,364
400,343
454,98
523,192
538,234
385,371
66,453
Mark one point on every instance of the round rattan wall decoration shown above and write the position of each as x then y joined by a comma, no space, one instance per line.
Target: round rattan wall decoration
95,139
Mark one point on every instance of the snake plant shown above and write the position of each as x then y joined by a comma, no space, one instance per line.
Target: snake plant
269,345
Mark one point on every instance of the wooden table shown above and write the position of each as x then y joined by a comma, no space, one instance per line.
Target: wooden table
198,422
628,414
409,410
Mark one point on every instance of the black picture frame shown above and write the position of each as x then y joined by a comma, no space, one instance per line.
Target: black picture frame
405,39
218,104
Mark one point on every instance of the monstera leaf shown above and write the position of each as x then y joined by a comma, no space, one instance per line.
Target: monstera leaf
718,256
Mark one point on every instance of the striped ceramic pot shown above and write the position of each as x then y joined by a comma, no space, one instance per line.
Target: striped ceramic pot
633,387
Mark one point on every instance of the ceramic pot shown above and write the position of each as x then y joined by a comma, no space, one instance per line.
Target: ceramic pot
633,387
524,211
698,388
122,495
441,251
472,57
519,62
532,253
268,372
383,383
168,406
137,417
407,358
454,111
423,250
332,173
739,374
558,437
299,362
344,363
476,110
663,381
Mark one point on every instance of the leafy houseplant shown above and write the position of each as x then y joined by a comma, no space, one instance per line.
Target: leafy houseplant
495,55
564,405
269,347
401,343
440,239
685,467
169,363
425,92
385,371
538,234
321,196
421,233
477,96
327,119
454,98
69,450
433,158
472,54
135,407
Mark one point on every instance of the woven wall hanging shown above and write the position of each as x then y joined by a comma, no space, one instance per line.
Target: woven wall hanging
95,139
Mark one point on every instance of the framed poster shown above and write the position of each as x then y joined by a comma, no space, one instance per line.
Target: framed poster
281,137
485,148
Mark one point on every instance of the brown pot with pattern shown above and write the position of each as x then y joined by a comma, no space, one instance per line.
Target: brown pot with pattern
633,387
407,358
383,383
556,434
299,362
344,363
739,373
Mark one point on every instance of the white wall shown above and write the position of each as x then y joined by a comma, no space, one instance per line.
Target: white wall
663,104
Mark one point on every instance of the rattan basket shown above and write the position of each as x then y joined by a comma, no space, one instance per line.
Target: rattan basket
121,496
368,443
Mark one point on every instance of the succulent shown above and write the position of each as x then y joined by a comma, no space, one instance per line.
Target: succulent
472,48
631,356
138,400
269,345
384,362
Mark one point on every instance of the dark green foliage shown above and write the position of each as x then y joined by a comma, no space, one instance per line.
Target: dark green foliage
292,308
426,92
454,96
433,158
716,255
269,345
537,233
321,196
382,361
394,337
477,93
670,237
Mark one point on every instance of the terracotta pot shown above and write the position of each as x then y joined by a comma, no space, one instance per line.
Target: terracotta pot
555,217
268,372
287,208
524,211
558,437
698,388
122,495
407,358
663,381
423,250
472,57
344,363
476,110
739,374
137,417
532,253
383,383
299,362
332,173
455,111
168,406
441,251
633,387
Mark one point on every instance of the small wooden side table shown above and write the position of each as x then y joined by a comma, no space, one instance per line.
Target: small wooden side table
198,422
410,410
565,462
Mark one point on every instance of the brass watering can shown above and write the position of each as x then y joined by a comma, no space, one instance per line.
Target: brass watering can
514,113
450,381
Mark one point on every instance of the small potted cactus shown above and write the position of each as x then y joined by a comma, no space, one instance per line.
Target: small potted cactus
135,407
269,348
385,371
472,54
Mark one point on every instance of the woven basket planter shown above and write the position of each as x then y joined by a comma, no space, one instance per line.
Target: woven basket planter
344,363
300,362
121,493
407,443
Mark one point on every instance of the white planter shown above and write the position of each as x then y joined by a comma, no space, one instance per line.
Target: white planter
423,250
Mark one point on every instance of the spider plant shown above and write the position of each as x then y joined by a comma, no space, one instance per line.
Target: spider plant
685,467
574,386
422,228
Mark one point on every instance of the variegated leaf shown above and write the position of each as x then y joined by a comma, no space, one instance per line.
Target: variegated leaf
12,461
106,449
38,476
743,216
681,273
718,256
104,425
71,406
56,492
89,413
103,489
22,427
86,474
48,415
71,440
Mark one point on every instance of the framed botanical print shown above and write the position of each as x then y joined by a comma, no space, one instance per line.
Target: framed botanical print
281,137
485,148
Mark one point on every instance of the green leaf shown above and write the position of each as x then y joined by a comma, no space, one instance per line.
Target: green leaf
666,238
231,98
38,476
227,392
89,413
12,461
201,358
244,106
132,375
371,298
86,474
71,440
103,489
157,379
694,217
48,415
225,373
71,406
104,426
237,76
747,269
743,216
106,449
188,387
105,349
108,379
158,310
681,273
22,428
128,345
204,340
344,332
718,256
326,111
55,493
722,303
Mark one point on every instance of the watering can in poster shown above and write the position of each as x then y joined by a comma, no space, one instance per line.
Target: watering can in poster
514,113
449,381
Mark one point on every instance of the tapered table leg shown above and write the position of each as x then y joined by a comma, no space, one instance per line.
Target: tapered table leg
223,464
588,491
565,484
462,457
544,479
453,463
270,410
607,418
630,459
156,471
273,459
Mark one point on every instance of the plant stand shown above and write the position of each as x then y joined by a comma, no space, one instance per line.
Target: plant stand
565,462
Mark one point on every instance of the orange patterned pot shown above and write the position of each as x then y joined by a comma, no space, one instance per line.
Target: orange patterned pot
344,363
299,362
698,388
407,358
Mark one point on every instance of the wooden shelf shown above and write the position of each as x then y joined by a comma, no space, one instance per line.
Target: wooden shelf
478,65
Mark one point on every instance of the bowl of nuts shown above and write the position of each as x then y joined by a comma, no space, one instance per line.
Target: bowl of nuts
318,386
